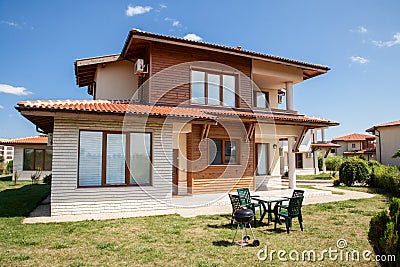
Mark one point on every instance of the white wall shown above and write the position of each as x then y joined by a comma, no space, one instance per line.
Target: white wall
115,81
68,199
18,162
390,142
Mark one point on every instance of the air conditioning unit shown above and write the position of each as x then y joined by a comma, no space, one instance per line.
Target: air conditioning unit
50,139
140,67
280,99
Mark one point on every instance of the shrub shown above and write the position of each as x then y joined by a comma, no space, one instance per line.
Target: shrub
320,163
353,170
385,177
9,167
336,182
333,163
47,179
6,178
384,230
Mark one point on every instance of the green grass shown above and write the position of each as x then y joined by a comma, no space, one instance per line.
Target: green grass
172,240
322,176
18,200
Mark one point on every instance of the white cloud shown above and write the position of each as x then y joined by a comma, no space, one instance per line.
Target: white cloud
175,23
362,29
11,23
357,59
395,41
137,10
163,6
1,107
9,89
192,37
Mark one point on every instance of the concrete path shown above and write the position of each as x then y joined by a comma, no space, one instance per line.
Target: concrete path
210,204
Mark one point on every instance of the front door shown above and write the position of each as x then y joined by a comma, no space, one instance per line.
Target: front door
175,171
299,160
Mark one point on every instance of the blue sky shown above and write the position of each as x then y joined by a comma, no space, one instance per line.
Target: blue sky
359,40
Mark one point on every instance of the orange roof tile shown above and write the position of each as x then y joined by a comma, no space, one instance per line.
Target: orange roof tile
325,145
354,137
392,123
123,107
42,139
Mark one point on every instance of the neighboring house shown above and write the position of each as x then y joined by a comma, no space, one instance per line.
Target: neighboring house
30,154
387,142
355,144
171,116
7,152
307,157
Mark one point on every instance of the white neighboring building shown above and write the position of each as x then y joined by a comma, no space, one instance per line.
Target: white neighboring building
30,154
304,158
307,156
387,141
7,152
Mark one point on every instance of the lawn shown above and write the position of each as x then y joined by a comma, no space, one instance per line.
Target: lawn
175,241
322,176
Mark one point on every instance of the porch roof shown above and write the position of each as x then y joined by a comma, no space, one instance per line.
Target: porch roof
42,112
34,140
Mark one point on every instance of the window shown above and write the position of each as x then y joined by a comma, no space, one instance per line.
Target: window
299,160
223,152
108,158
37,159
353,145
212,88
262,159
261,99
333,150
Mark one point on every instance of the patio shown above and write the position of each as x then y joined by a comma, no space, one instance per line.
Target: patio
202,204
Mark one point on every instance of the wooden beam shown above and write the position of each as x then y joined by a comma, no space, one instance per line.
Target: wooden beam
250,132
205,131
301,138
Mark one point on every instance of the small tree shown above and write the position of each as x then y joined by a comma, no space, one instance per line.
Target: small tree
353,170
1,164
9,167
16,176
36,176
397,154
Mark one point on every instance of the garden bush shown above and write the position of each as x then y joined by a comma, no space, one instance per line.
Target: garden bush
47,179
333,163
384,231
353,170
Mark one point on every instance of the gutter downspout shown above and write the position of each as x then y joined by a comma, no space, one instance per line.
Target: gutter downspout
380,145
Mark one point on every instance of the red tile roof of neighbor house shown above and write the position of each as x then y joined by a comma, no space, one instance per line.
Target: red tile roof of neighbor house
39,140
124,107
325,145
392,123
354,137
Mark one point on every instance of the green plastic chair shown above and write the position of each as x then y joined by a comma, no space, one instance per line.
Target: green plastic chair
296,193
293,210
245,201
235,204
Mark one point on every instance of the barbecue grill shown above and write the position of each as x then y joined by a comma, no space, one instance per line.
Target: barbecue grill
243,217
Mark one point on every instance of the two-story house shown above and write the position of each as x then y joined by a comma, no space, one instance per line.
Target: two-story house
171,116
355,144
387,141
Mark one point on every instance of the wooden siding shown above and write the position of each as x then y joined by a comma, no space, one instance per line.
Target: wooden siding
219,178
171,86
68,199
